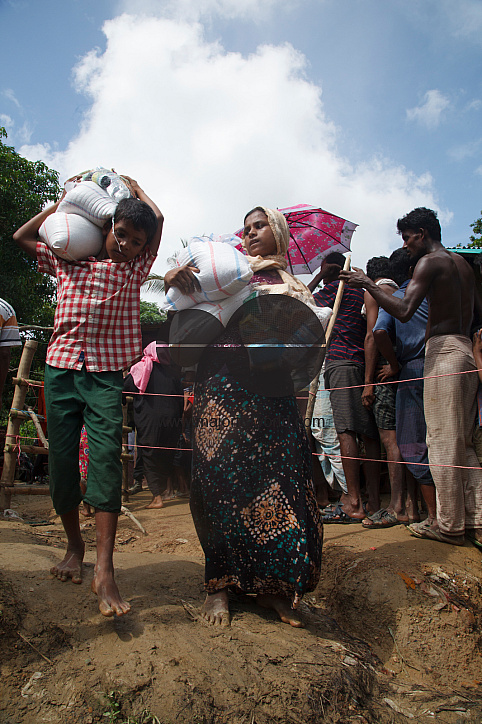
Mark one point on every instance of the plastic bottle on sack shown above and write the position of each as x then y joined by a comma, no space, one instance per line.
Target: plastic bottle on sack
112,183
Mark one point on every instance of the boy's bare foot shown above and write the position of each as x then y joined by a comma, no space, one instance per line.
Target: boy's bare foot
282,606
215,609
70,567
156,502
110,600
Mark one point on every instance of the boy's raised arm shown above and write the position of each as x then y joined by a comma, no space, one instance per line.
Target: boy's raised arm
26,237
142,196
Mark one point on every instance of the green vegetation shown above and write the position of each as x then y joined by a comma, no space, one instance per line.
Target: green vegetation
114,714
476,237
25,188
151,314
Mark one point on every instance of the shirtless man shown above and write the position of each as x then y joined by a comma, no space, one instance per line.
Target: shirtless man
449,402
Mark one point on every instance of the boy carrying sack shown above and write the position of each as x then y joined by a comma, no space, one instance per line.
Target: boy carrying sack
96,335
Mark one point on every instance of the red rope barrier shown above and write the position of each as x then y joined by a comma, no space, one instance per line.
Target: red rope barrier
327,389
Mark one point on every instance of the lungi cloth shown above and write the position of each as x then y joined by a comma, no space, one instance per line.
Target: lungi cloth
348,411
411,427
450,409
384,404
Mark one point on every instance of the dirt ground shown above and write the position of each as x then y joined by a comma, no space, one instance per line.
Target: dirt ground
392,633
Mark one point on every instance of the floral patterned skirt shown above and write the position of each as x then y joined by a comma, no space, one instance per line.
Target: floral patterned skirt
252,496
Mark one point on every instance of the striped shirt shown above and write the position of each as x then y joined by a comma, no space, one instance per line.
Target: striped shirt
348,336
9,335
97,320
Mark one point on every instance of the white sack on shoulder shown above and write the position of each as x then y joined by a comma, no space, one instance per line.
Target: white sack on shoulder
89,200
225,308
223,272
70,236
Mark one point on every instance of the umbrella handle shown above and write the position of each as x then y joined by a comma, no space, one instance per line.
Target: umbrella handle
315,383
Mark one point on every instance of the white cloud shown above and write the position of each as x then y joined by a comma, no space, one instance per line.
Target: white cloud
193,10
7,122
474,105
10,95
478,170
24,133
460,19
465,150
17,135
209,134
465,17
429,112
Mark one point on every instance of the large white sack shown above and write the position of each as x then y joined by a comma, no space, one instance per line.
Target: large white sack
194,329
224,309
70,236
89,200
223,272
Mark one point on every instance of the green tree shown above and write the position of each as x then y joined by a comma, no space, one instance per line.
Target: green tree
476,237
25,188
151,314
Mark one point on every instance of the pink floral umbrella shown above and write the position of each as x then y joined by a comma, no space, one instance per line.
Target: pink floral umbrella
315,233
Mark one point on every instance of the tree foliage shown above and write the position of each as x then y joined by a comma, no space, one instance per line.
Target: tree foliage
476,237
25,188
154,283
151,314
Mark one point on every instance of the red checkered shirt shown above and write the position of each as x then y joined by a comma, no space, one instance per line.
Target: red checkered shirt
97,311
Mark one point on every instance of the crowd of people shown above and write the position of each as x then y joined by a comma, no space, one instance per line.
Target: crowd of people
450,382
253,501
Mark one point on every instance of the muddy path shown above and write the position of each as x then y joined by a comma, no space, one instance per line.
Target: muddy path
393,632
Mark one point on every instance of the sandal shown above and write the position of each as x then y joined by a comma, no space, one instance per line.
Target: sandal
381,519
328,508
435,534
416,529
338,515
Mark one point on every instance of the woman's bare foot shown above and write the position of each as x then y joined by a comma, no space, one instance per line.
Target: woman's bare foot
71,566
156,502
215,609
110,600
282,606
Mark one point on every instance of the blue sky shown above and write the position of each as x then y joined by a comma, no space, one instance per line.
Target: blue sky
365,107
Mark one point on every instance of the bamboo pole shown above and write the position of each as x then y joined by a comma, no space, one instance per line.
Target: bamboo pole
24,381
13,426
38,427
21,489
29,449
315,383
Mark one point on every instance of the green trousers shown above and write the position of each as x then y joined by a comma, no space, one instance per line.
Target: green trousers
74,398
